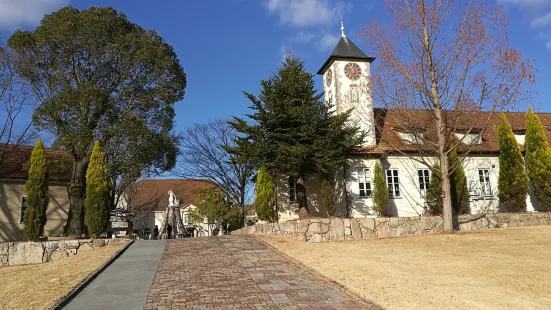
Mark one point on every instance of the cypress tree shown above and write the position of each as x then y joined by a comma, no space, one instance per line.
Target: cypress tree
293,131
458,185
36,189
538,159
513,182
265,196
97,190
380,192
328,192
433,196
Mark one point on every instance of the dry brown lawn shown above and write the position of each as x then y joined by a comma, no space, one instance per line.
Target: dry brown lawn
40,286
485,269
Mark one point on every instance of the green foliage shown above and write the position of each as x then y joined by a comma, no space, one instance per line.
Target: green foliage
538,159
380,192
265,196
212,204
458,185
36,189
97,191
513,182
292,130
328,192
433,196
101,77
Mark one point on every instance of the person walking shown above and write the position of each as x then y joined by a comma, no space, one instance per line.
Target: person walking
156,232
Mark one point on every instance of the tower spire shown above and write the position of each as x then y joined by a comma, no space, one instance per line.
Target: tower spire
342,28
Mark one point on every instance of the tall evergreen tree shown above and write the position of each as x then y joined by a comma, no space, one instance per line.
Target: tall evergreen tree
293,132
433,196
380,192
36,189
97,191
538,159
458,185
328,192
513,182
265,196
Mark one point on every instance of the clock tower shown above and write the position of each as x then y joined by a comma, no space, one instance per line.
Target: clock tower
345,83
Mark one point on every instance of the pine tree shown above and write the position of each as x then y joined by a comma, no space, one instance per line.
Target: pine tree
97,190
433,196
36,189
538,159
265,196
380,192
513,182
293,132
458,185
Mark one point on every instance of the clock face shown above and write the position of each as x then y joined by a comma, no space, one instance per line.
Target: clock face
329,77
352,71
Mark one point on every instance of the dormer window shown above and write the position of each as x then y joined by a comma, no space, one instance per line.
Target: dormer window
520,136
469,138
411,138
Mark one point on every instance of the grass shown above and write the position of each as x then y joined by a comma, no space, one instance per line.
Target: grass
40,286
485,269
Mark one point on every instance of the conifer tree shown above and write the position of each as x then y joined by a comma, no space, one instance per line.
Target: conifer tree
328,192
380,192
433,196
538,159
265,196
293,132
97,190
458,185
36,189
513,182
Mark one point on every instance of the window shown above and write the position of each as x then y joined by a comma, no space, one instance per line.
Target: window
292,189
520,138
186,218
484,179
23,209
393,183
364,182
424,180
354,94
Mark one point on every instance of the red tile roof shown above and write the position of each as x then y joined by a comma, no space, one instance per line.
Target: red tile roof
156,191
390,122
17,157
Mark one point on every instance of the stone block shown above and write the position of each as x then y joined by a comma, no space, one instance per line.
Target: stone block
74,244
58,255
355,229
367,228
98,243
85,247
382,229
302,226
347,222
25,253
4,247
318,238
337,229
301,237
288,227
394,222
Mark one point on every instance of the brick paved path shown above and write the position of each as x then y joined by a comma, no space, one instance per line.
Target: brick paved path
238,272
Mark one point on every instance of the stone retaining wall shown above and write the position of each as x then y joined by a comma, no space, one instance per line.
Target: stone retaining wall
20,253
326,229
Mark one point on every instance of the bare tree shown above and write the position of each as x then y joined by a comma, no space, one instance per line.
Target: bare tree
15,100
451,59
135,202
204,156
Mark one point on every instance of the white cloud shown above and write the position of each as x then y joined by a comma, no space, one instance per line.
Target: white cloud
542,21
18,13
302,38
301,13
328,41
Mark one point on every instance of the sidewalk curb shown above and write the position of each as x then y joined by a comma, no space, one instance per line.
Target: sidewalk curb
63,301
320,276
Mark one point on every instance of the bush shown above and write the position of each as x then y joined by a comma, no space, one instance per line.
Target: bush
97,190
513,182
380,192
265,196
328,193
458,185
538,159
36,189
433,196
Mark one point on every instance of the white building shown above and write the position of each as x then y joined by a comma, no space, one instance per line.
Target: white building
345,76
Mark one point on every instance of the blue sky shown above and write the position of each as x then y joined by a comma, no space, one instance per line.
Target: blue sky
227,46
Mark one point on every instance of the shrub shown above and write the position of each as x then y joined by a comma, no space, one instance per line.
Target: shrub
36,189
538,159
265,196
433,196
458,185
97,189
380,192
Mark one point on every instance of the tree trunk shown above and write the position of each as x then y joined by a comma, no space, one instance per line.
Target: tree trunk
76,191
303,211
242,202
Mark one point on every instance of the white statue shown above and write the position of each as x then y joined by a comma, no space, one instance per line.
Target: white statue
171,198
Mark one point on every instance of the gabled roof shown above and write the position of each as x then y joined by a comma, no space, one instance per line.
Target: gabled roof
17,160
390,122
156,191
345,49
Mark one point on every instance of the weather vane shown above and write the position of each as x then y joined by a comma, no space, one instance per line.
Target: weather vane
342,28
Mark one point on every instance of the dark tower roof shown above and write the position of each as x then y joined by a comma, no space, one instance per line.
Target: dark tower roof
345,49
